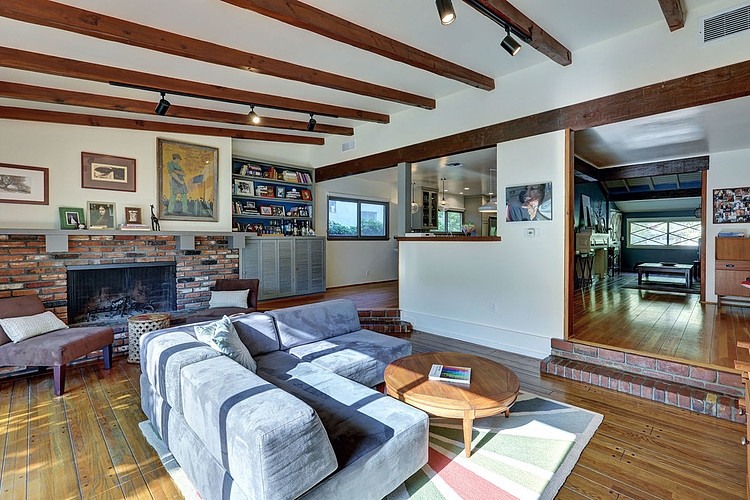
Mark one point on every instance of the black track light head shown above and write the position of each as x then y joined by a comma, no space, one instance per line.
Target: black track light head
509,43
162,106
311,123
445,9
254,118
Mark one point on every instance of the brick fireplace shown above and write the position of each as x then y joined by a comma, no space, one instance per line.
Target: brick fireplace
27,268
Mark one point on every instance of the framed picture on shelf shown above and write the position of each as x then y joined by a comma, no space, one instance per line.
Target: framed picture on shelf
243,187
302,212
278,210
101,215
307,195
133,215
265,191
266,210
187,181
293,212
114,173
731,205
71,218
20,184
280,192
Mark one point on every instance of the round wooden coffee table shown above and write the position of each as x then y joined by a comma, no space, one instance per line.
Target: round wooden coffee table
493,388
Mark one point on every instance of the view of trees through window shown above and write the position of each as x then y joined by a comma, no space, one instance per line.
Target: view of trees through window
354,219
672,233
455,221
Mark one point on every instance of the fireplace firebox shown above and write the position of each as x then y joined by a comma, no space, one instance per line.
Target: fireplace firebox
116,291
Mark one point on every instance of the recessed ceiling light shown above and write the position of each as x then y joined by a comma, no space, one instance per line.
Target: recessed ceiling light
466,189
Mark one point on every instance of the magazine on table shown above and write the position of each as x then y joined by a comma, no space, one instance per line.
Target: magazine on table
445,373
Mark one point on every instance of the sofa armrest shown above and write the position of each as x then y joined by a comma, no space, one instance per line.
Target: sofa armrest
312,322
271,443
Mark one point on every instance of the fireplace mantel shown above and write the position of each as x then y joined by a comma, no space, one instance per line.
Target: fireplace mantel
57,239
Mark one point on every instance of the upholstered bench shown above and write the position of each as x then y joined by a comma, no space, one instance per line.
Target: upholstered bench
55,348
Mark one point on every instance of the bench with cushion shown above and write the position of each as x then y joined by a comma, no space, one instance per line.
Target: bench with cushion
228,298
55,348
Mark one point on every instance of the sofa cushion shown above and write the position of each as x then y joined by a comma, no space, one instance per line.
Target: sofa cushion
272,444
221,336
233,298
312,322
13,307
25,327
56,348
258,332
360,356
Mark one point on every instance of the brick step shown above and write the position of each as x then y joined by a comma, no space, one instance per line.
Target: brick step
699,400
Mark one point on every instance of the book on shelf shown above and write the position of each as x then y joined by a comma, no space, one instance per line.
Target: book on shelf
445,373
134,227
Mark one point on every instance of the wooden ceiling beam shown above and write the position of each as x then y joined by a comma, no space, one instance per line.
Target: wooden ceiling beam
654,169
655,195
71,98
673,13
534,35
585,170
38,115
53,65
84,22
318,21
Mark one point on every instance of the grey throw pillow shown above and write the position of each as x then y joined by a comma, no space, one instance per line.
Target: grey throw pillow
222,337
231,298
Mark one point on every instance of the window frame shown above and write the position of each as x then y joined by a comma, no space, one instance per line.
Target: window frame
359,201
668,221
444,215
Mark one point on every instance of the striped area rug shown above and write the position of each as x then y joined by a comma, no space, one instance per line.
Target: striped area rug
528,455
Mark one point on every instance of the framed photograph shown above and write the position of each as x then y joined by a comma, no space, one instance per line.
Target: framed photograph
133,215
306,195
71,218
278,210
101,214
531,202
243,187
280,192
731,205
302,212
266,210
107,172
187,180
20,184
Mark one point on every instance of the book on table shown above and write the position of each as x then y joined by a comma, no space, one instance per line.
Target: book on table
445,373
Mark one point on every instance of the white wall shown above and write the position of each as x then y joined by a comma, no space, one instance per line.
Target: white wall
354,262
726,170
509,294
59,147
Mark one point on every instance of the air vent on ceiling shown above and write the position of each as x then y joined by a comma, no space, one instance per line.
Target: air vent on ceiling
723,24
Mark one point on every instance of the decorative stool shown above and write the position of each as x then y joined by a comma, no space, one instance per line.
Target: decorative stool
140,324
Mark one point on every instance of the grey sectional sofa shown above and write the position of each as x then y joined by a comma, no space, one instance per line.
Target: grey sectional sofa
307,425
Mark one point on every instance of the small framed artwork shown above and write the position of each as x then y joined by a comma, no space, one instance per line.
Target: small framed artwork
71,218
280,192
531,202
101,215
133,215
20,184
306,195
278,210
100,171
243,187
266,210
731,205
303,212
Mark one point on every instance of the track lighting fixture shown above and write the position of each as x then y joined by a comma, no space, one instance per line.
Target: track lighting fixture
445,9
311,123
254,118
509,43
162,106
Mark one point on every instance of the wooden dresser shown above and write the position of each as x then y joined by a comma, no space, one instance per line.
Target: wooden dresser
732,267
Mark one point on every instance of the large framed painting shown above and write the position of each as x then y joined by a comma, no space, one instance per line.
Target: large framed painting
731,205
107,172
188,181
21,184
530,202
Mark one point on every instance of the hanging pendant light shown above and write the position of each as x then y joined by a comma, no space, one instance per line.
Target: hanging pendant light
443,204
490,206
414,204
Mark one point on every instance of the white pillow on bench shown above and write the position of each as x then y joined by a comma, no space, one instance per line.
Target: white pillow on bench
230,298
25,327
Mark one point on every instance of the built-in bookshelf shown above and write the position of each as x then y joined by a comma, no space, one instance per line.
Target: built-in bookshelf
270,199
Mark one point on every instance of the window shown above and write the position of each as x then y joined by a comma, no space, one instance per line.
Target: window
455,221
357,219
651,233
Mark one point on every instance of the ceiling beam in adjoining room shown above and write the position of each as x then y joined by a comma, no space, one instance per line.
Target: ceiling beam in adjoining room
84,22
681,166
37,115
71,98
585,170
336,28
531,32
673,13
655,195
53,65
